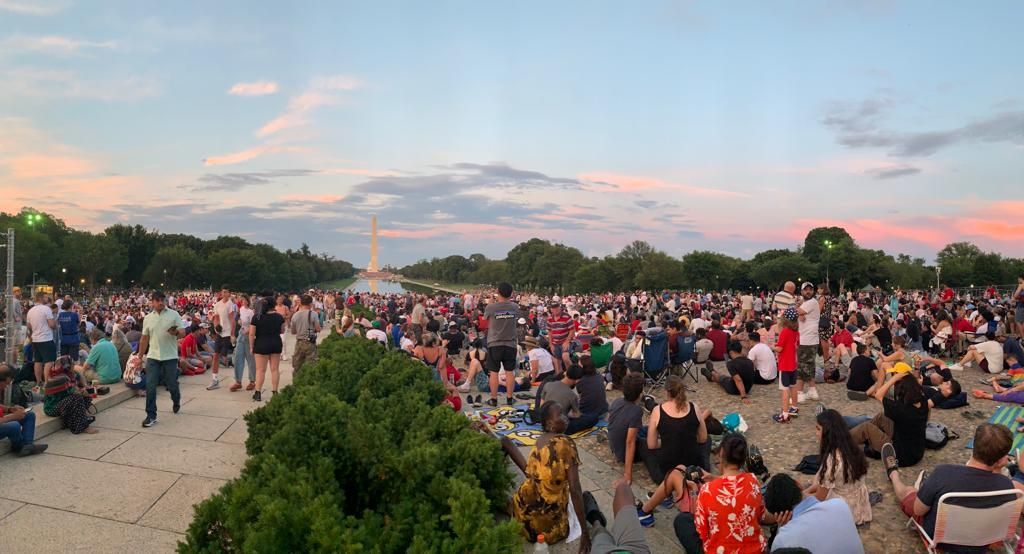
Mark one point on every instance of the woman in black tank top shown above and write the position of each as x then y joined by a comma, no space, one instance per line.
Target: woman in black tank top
678,425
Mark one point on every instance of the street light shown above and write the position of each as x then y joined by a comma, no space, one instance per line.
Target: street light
828,259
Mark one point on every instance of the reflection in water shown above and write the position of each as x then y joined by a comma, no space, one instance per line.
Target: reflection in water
376,286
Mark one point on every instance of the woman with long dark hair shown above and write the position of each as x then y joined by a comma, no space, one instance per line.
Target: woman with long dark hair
902,421
265,341
842,467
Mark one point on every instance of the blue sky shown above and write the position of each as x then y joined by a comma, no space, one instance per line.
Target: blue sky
468,127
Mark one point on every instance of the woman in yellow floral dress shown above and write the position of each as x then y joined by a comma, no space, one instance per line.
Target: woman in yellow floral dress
552,474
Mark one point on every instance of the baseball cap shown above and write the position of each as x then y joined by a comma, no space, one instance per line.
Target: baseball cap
376,324
899,367
521,321
806,284
453,324
204,325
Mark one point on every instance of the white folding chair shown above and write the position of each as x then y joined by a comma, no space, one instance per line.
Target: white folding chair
968,526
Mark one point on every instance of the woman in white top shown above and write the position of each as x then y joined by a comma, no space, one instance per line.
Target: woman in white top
243,354
541,362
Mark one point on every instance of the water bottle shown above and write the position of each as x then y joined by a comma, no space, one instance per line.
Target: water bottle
541,546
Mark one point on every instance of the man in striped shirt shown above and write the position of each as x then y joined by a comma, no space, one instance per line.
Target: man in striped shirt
560,334
785,298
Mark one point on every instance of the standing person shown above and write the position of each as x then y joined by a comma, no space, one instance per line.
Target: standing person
419,319
305,326
69,322
224,314
810,314
501,319
282,309
786,348
161,329
243,351
266,343
825,322
41,324
785,298
1017,325
561,332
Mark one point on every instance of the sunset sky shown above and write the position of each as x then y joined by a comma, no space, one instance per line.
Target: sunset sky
470,126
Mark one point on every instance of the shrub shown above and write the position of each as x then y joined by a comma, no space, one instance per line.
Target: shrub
359,454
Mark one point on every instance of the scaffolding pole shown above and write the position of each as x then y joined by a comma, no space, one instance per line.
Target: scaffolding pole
11,331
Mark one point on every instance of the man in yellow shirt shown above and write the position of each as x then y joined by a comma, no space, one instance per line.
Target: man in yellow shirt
161,329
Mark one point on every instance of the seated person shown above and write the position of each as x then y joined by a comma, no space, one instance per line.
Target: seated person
741,373
865,376
902,421
729,508
16,423
982,473
103,363
802,519
719,341
590,387
561,392
189,360
763,358
64,399
205,349
626,432
988,355
552,476
842,347
625,533
703,347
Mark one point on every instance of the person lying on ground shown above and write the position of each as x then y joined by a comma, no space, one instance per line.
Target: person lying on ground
741,373
625,533
1014,394
982,473
802,519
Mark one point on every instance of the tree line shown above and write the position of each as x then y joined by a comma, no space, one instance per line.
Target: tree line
827,251
47,250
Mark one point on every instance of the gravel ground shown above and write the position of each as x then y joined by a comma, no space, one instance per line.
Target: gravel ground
783,445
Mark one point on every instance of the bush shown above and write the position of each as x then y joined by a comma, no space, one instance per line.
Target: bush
360,455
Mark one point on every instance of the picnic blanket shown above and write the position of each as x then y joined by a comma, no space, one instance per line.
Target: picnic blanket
524,434
1005,415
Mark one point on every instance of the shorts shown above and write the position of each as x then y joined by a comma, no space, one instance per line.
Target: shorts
983,364
806,357
728,385
70,350
558,349
499,357
907,506
223,346
44,352
1018,314
787,379
623,535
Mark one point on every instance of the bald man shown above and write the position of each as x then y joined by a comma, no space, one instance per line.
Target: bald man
785,298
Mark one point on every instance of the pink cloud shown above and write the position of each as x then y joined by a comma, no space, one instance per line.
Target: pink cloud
636,183
256,88
43,165
316,198
246,155
462,230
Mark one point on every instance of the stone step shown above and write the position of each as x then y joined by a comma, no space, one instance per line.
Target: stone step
46,425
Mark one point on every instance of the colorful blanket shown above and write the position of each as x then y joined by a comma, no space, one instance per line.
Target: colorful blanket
1007,415
525,434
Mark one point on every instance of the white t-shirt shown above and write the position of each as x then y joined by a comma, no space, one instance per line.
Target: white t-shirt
38,318
747,302
993,352
616,344
809,324
377,335
245,314
545,363
764,361
699,323
225,311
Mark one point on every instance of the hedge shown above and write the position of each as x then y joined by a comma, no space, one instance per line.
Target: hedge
359,455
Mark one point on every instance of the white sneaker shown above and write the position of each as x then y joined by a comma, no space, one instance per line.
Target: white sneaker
956,367
812,394
464,387
214,385
801,397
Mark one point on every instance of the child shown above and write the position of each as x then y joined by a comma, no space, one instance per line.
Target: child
1014,394
450,377
785,347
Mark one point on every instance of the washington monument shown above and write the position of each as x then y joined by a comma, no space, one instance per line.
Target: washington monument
372,268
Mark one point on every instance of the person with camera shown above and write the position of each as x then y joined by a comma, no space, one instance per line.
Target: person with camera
305,325
727,515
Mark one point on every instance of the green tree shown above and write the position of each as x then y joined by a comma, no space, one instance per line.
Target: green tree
957,263
95,258
772,273
139,245
816,243
176,267
707,270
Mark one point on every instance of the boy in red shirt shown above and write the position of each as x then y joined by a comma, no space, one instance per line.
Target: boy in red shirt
785,347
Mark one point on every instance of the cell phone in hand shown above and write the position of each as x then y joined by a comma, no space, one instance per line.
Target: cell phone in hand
28,409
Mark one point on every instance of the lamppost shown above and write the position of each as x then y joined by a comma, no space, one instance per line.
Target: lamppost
938,272
828,259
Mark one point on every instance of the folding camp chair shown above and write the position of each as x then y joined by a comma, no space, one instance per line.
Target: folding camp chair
959,524
686,346
656,366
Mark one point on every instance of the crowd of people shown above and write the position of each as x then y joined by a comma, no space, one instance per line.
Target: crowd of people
570,351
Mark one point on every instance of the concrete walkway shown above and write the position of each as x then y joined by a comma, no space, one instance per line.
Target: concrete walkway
126,489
